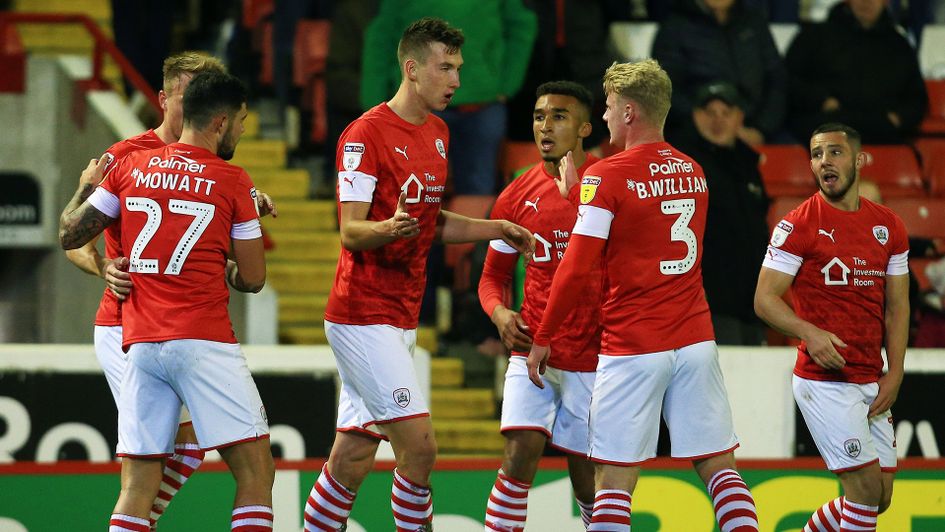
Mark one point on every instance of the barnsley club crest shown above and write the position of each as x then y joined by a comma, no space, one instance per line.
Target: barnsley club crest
852,447
440,147
402,397
881,234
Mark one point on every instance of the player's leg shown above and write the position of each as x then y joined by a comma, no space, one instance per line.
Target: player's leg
253,469
415,453
216,385
187,458
700,425
528,415
624,427
570,434
581,472
148,412
835,414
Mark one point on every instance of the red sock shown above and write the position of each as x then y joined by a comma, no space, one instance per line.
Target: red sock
328,505
611,512
858,517
826,518
508,504
178,468
257,518
734,506
128,523
412,504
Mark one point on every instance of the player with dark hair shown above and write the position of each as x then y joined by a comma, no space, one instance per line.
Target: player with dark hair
558,413
391,177
641,219
182,210
846,260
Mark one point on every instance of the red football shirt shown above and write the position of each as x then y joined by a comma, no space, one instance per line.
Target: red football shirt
533,201
180,206
109,309
840,261
379,155
649,203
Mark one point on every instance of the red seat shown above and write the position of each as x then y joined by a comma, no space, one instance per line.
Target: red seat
517,155
895,171
780,206
934,121
262,42
924,217
309,59
456,256
256,10
932,155
785,170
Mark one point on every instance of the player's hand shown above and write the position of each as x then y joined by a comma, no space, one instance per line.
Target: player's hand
567,175
512,329
519,238
92,175
888,392
537,361
401,224
117,278
266,205
822,348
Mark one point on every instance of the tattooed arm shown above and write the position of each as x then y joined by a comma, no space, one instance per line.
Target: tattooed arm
81,222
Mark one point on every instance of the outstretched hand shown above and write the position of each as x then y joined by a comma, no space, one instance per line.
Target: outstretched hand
117,278
567,175
266,205
519,238
402,225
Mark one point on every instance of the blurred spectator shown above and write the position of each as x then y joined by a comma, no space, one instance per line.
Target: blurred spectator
343,77
571,44
708,40
931,328
143,33
736,231
285,16
858,69
499,37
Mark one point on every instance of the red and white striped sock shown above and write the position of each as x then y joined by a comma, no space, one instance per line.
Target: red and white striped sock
858,517
412,504
178,468
611,511
328,505
734,506
128,523
827,518
256,518
508,504
587,509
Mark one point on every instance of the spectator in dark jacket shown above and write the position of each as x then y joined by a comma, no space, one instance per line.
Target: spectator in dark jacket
736,231
858,69
708,40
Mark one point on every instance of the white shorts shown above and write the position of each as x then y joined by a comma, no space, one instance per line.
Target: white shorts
211,378
630,391
378,381
835,413
113,360
559,410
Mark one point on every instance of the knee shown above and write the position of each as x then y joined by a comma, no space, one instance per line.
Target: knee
420,454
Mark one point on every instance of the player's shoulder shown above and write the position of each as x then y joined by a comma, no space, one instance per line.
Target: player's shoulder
144,141
879,211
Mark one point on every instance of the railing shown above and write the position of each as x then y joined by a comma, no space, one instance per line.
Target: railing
103,46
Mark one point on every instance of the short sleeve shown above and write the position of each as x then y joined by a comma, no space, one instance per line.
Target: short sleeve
245,206
598,202
358,159
898,249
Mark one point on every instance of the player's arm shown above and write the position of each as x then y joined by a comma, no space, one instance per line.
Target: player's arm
87,258
494,285
771,307
571,282
247,271
455,228
897,336
360,234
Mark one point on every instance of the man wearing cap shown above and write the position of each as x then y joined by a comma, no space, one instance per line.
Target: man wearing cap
736,231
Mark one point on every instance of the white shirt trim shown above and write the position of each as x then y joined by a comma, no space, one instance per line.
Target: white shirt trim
356,186
106,202
502,247
246,230
782,261
898,264
593,221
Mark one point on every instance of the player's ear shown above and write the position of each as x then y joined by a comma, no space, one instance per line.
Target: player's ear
162,100
585,130
410,69
860,159
629,113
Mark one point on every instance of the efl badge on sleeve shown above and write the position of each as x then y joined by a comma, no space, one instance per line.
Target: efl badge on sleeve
440,147
589,188
252,194
781,232
352,155
109,161
881,233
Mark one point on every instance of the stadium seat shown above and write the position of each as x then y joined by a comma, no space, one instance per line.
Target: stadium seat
633,40
934,121
515,156
255,11
932,157
309,58
456,256
780,206
262,42
924,217
785,170
932,51
895,171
